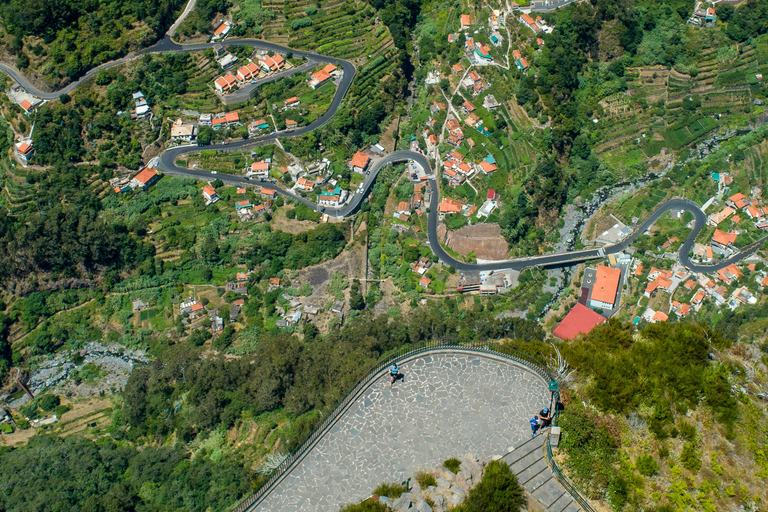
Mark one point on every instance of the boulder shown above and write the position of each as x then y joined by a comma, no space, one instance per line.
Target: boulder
403,503
443,483
386,501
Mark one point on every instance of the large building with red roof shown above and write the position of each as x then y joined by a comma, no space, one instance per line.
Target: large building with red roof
579,320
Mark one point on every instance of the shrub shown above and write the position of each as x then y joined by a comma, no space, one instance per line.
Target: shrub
687,431
647,466
452,465
366,506
48,402
498,491
392,491
425,479
690,458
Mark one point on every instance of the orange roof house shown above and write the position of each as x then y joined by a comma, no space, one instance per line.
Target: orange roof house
698,297
449,205
639,270
660,317
232,117
359,161
660,283
724,239
739,200
605,288
145,177
683,310
465,21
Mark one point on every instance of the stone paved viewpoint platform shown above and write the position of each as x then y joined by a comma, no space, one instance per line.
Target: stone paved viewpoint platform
449,404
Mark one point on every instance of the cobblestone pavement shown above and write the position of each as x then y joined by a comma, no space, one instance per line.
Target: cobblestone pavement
448,405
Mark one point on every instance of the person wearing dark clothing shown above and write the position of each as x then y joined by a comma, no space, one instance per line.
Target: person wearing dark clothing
546,417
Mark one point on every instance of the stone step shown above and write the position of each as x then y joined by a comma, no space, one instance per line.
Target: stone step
562,504
539,479
573,507
531,445
531,471
524,463
549,492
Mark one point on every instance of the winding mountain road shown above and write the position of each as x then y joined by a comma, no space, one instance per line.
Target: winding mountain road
166,163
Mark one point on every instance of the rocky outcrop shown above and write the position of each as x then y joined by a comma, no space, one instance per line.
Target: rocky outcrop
451,489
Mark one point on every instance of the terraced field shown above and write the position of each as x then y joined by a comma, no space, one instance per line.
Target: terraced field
652,114
16,193
346,29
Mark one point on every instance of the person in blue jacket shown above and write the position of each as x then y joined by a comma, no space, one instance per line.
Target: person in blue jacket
394,373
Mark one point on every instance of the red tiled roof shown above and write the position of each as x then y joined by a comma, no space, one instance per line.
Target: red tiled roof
579,320
232,117
145,175
723,238
449,205
465,20
360,159
220,29
209,190
660,317
26,105
606,284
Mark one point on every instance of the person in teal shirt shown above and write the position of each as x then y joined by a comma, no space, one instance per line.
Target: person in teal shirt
394,373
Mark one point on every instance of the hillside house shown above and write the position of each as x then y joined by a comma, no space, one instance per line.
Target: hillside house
271,64
291,102
729,274
360,162
483,52
183,132
144,178
221,31
526,20
723,241
605,288
258,169
305,184
248,72
256,126
141,108
290,124
227,61
25,150
720,216
490,103
465,22
448,205
209,193
225,83
468,107
457,69
319,78
737,201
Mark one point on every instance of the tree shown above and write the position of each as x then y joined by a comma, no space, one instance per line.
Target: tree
204,136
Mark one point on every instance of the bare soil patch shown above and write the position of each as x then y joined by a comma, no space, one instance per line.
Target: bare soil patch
484,240
282,223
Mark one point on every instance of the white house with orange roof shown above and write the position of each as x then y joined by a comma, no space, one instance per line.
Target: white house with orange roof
248,72
360,162
225,83
221,31
210,195
24,150
144,178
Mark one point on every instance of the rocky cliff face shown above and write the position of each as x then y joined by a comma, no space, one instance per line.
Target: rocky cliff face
450,490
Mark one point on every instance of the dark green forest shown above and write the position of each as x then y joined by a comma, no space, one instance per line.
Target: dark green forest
57,474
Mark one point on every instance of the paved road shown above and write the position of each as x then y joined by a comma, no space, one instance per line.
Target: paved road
166,164
450,404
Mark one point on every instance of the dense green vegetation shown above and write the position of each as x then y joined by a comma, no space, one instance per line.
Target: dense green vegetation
76,36
52,473
282,372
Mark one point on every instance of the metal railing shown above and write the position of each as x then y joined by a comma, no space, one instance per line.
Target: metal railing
374,372
565,482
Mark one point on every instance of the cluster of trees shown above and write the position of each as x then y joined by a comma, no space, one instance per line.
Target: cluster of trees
45,19
285,372
278,250
65,237
82,35
666,367
74,473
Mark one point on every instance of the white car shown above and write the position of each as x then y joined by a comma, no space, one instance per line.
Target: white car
214,172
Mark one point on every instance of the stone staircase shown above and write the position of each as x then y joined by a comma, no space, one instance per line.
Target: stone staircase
529,463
